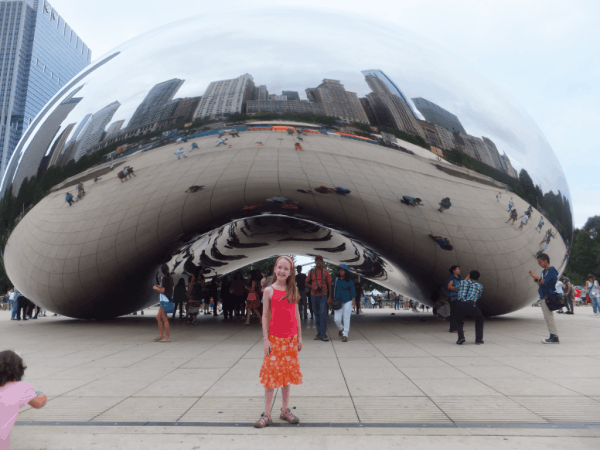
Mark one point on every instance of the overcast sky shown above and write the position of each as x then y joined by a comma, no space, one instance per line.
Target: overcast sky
545,53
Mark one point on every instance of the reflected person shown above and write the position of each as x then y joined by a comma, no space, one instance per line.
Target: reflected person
319,281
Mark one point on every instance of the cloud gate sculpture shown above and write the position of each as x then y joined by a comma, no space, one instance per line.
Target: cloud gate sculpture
290,131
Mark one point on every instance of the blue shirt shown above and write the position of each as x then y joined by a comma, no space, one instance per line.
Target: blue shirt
548,289
344,289
456,281
469,291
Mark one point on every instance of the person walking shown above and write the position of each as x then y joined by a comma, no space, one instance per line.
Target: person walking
345,293
282,334
359,295
13,295
301,284
568,293
69,198
194,294
179,298
452,283
524,218
469,291
221,141
540,225
14,394
511,204
591,285
253,301
498,198
512,216
165,288
546,290
319,281
396,301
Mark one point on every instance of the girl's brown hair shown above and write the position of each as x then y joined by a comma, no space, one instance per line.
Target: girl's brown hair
12,367
291,291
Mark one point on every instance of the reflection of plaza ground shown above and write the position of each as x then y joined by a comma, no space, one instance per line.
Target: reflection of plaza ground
399,371
90,260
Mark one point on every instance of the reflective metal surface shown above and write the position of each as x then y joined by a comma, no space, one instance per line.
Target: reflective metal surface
260,194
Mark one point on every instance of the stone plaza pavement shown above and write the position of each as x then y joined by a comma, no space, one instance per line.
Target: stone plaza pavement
400,379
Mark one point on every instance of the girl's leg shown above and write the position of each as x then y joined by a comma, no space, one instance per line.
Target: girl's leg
248,315
268,400
165,319
256,312
160,324
285,393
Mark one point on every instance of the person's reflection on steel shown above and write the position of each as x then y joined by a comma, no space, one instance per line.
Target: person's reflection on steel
445,204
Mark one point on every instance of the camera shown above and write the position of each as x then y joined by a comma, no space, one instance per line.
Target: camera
319,288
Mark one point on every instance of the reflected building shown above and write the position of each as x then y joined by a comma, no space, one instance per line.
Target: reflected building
159,96
439,116
92,133
281,107
260,93
114,129
389,103
338,102
291,95
59,146
40,54
225,97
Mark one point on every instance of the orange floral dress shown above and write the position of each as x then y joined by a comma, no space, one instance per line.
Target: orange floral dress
281,367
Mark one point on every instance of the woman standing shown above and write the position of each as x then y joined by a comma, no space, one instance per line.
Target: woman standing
165,288
238,286
179,298
195,293
359,295
253,301
282,340
344,292
592,286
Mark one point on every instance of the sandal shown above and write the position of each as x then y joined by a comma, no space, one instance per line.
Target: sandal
165,340
263,421
157,339
287,415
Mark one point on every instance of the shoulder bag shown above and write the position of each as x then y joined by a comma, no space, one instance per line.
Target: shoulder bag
336,304
554,302
167,305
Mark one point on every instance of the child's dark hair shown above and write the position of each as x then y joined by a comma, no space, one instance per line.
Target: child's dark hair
12,367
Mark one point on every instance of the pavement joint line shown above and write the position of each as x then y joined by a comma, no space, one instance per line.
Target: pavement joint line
489,425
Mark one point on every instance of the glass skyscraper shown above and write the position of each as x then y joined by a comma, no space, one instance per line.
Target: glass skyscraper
39,54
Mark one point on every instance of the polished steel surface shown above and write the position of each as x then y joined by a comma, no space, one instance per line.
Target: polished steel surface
259,194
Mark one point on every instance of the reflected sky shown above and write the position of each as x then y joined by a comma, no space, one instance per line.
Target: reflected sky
293,49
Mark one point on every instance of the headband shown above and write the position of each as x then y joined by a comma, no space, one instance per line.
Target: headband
286,257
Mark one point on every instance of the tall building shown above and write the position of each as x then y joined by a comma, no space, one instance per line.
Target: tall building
158,97
114,129
226,97
260,93
337,101
39,54
278,98
391,86
291,95
439,116
94,129
390,104
297,106
59,145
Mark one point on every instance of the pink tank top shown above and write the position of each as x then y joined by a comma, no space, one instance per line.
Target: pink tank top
283,316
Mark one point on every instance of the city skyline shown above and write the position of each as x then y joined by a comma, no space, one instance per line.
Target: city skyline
222,97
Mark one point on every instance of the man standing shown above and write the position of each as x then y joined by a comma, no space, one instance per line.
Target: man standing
469,292
547,289
452,282
568,291
319,281
301,284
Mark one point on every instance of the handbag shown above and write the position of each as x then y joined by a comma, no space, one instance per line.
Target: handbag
336,304
167,305
554,302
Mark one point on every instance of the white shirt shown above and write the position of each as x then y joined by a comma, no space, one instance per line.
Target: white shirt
559,287
524,219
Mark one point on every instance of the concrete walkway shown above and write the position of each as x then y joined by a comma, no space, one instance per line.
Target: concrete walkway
399,375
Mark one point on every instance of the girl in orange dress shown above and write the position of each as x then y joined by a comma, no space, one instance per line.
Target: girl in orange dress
283,340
